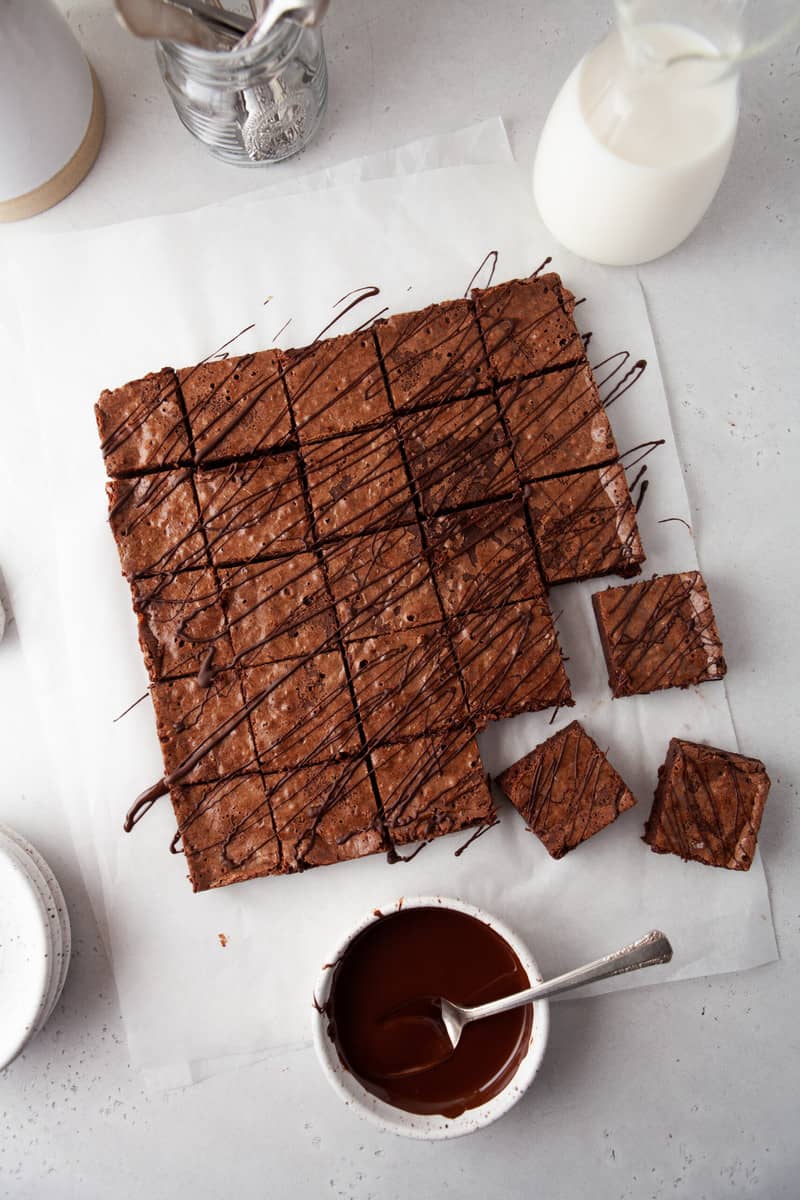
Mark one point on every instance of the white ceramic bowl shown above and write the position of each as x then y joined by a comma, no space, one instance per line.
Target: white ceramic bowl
396,1120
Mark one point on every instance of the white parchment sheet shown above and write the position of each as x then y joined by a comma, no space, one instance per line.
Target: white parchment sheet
91,310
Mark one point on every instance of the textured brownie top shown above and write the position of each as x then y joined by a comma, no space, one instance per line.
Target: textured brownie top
335,575
708,805
658,634
566,789
585,525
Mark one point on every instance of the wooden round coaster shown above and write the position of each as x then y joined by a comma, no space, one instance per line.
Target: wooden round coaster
70,175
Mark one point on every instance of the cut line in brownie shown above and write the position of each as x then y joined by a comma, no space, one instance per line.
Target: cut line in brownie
657,634
141,425
181,621
357,483
253,509
433,355
510,661
528,326
585,525
336,387
708,805
457,454
156,524
483,558
557,423
381,583
566,790
278,609
236,406
431,787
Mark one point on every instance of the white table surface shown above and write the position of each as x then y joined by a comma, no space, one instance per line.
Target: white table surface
684,1090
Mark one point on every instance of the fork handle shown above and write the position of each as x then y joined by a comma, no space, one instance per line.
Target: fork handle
650,950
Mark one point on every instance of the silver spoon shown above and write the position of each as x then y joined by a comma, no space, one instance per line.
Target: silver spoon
307,13
192,22
450,1019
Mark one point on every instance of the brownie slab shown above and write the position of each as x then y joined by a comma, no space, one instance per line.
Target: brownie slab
181,623
214,816
528,326
483,558
433,355
358,483
406,684
302,712
585,525
209,722
381,583
336,386
156,524
708,806
566,789
510,661
141,425
236,406
557,423
457,454
658,634
253,509
277,609
432,787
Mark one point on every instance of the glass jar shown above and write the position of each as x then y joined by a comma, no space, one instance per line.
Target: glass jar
252,106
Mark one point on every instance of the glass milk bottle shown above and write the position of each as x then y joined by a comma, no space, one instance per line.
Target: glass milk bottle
640,135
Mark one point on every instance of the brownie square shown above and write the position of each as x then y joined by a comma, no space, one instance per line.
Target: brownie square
483,558
236,406
405,685
557,423
325,814
457,454
181,623
381,583
358,483
156,524
277,609
528,325
510,661
336,386
433,355
253,509
141,425
226,830
658,634
188,716
585,525
708,806
566,789
432,787
302,711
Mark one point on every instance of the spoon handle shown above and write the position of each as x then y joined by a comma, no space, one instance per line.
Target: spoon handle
650,950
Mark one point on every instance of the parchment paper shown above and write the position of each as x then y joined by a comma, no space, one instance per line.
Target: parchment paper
97,309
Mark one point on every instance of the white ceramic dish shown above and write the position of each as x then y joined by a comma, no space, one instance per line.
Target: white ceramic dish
395,1120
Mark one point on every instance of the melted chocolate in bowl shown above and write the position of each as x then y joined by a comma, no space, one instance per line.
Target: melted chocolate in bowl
380,1019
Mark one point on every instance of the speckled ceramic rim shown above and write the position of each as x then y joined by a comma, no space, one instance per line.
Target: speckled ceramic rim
395,1120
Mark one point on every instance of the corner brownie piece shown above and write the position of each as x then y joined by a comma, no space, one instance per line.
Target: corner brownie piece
566,789
483,558
181,621
141,425
336,386
236,406
557,422
658,634
253,509
585,525
708,806
211,815
457,454
381,583
431,787
528,325
156,524
358,483
433,355
510,661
